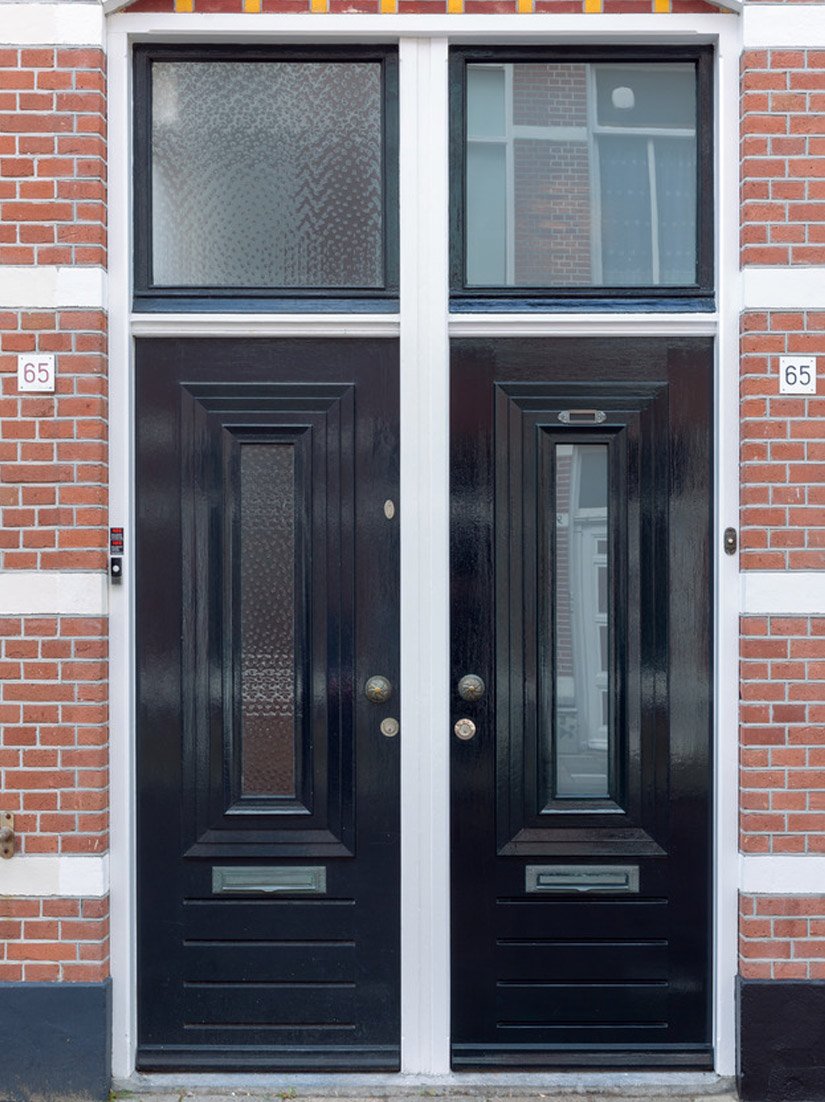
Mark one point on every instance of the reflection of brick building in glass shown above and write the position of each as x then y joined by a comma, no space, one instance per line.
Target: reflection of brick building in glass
551,178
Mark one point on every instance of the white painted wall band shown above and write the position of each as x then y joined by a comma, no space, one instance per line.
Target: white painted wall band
782,593
782,874
49,287
78,877
773,26
783,288
72,24
53,593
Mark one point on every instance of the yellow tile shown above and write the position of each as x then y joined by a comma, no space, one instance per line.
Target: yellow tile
389,7
593,7
318,6
661,6
525,7
184,5
455,7
252,6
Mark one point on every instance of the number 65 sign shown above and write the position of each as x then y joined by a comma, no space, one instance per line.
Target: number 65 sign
35,372
797,374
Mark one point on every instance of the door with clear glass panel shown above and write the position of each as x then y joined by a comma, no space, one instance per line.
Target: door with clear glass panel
267,704
581,702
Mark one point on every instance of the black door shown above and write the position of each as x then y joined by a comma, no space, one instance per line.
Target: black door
267,596
581,482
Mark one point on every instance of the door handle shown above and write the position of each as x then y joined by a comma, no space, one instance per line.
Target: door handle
378,690
471,687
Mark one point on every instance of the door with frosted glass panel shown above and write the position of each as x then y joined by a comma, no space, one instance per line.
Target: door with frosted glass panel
268,764
581,702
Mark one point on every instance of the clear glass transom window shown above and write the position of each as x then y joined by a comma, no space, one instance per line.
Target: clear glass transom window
581,175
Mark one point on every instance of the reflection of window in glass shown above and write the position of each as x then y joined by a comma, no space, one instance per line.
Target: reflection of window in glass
580,746
581,175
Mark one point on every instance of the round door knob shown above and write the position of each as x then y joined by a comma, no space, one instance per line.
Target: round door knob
471,687
465,729
378,690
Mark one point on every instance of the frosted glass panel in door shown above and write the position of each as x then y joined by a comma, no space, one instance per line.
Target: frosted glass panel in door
267,174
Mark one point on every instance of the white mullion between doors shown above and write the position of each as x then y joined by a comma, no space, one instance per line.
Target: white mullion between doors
121,605
424,516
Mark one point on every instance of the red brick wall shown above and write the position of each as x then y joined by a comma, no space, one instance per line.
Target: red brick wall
53,447
782,937
782,447
783,734
783,157
52,156
44,940
53,738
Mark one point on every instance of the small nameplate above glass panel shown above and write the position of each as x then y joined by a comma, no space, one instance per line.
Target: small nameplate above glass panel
610,879
270,880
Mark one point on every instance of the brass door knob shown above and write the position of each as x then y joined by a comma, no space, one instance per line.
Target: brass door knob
465,729
378,690
471,687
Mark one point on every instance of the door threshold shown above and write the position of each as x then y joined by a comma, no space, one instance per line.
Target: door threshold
472,1085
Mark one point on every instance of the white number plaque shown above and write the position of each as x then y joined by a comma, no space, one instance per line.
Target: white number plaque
797,374
35,371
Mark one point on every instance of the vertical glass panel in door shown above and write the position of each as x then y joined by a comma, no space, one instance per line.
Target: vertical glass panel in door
267,579
580,742
267,174
581,175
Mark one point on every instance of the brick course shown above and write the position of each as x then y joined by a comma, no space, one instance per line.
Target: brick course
54,734
54,940
783,167
782,937
53,448
782,715
782,447
52,156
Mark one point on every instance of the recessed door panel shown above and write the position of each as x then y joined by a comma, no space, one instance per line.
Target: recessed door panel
268,910
581,596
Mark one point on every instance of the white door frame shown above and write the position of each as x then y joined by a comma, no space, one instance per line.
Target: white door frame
425,327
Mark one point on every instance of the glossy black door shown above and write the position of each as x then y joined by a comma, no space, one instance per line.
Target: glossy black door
267,595
581,566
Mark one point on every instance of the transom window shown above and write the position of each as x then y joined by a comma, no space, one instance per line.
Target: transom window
266,174
581,175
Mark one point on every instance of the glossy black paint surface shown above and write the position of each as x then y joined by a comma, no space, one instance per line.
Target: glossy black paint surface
252,981
571,979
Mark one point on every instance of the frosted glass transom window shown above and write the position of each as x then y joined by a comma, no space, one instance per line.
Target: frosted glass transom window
267,174
581,174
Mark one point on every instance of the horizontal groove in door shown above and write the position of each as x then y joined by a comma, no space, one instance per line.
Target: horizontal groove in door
582,962
241,964
575,984
237,1005
581,1025
257,1027
546,919
581,1004
572,943
256,920
276,985
232,942
197,901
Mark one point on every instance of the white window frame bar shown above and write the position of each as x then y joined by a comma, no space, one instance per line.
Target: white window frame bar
425,327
